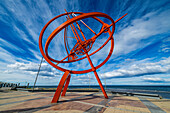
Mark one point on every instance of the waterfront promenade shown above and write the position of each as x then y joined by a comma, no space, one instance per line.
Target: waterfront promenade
79,102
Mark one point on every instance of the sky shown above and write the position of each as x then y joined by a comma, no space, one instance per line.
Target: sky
141,53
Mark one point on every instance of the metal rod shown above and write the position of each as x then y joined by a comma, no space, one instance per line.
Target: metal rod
104,78
79,39
66,85
37,74
85,24
120,18
89,81
97,77
80,29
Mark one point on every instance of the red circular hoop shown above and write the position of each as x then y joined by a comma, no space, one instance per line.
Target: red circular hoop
64,25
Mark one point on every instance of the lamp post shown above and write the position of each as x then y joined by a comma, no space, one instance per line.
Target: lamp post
37,74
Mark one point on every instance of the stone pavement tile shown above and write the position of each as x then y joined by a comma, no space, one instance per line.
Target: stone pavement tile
34,103
152,107
44,92
112,110
100,107
26,106
71,95
13,94
121,100
164,104
72,102
51,94
92,99
81,93
133,109
63,111
101,94
131,98
17,94
9,106
75,102
4,101
68,106
81,97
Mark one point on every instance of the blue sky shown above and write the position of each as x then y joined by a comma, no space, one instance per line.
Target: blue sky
142,42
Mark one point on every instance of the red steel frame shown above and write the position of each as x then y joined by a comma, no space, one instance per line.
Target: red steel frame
67,75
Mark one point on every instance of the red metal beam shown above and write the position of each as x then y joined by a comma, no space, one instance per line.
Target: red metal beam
66,85
59,88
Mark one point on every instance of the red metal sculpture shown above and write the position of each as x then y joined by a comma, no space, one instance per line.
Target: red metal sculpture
82,47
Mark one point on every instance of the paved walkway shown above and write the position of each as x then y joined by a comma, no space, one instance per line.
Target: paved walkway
152,107
74,102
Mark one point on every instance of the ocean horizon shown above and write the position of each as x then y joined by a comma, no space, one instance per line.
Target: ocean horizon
162,90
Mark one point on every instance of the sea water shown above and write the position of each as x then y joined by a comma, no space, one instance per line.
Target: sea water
163,91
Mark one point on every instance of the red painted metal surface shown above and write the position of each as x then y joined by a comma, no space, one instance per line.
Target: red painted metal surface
82,47
66,85
60,86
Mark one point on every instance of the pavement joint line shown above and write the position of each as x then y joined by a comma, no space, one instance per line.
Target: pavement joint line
96,109
103,105
151,106
109,107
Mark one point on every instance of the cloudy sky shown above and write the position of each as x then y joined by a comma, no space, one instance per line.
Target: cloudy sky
141,53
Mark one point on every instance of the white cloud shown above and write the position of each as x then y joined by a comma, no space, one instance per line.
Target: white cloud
22,34
10,45
156,80
87,79
21,13
32,69
6,56
36,54
140,69
129,38
165,48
